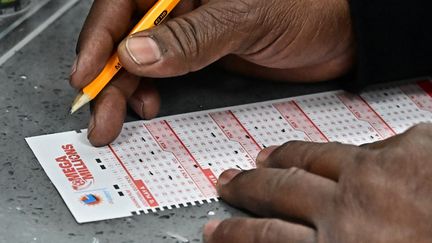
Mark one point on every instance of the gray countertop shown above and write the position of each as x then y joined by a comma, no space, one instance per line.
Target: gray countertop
34,100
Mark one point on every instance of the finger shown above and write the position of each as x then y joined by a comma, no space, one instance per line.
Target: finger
324,159
292,193
146,100
107,23
109,109
186,43
248,230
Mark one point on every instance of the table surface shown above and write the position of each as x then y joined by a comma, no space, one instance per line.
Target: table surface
34,100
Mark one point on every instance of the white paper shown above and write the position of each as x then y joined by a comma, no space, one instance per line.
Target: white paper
175,161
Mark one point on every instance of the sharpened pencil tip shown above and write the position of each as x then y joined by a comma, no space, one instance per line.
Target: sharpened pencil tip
79,102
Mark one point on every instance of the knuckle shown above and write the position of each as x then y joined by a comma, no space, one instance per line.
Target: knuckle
200,32
293,146
281,180
208,29
267,230
290,148
300,152
227,18
184,34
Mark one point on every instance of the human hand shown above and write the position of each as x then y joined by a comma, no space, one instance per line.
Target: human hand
379,192
286,40
293,40
106,25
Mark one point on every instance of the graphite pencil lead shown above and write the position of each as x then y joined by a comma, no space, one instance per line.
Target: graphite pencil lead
79,102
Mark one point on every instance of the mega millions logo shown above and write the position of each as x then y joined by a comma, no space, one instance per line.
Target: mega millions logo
91,199
74,168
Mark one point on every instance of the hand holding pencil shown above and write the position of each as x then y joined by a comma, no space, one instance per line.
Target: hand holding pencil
152,18
198,34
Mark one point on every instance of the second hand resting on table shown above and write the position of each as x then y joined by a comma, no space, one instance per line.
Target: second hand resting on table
342,193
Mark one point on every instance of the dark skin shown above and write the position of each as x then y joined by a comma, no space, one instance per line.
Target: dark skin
304,43
378,192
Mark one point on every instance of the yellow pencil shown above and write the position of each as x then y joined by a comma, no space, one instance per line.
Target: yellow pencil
152,18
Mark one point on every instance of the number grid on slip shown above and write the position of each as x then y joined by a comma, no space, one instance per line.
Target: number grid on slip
173,162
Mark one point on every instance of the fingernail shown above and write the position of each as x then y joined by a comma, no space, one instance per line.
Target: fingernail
210,228
227,176
143,50
138,107
91,126
264,154
74,66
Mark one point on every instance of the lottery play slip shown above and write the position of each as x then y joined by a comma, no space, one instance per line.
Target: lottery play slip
175,161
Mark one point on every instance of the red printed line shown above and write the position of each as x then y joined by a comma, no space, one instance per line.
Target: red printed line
310,120
423,102
299,121
178,159
246,131
209,174
190,154
232,138
376,113
426,86
153,202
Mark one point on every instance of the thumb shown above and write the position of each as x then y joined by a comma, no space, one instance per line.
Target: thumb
186,43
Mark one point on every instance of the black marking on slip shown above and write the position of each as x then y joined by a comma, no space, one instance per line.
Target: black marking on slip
238,166
236,152
170,177
116,186
195,165
256,128
264,146
98,161
121,194
280,118
151,173
143,139
152,152
140,160
283,130
247,136
210,164
213,135
103,167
